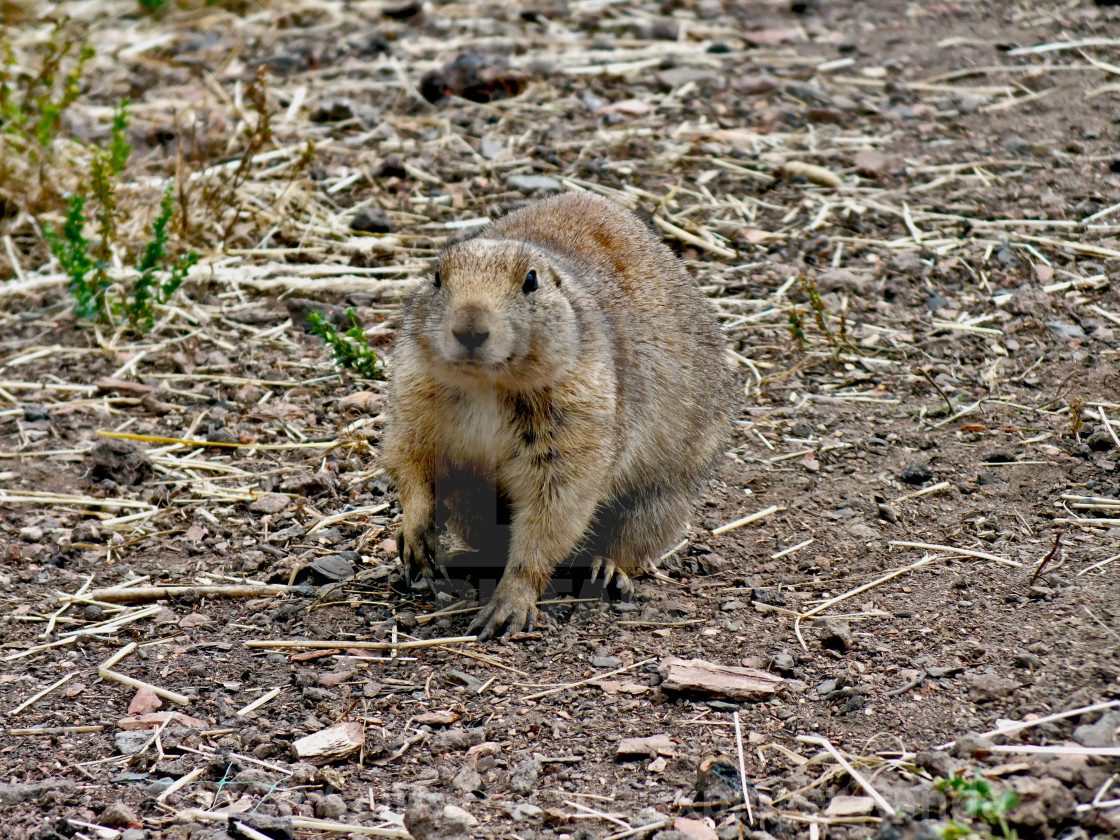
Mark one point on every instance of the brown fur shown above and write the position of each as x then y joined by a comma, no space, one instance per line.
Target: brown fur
586,413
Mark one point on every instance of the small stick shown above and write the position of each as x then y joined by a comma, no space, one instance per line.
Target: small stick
1030,749
42,694
925,491
248,832
683,235
821,607
1107,425
793,548
181,782
103,671
1015,727
256,704
884,806
641,829
965,551
602,815
743,768
306,823
319,644
1104,562
738,523
1050,555
58,730
117,595
489,660
595,678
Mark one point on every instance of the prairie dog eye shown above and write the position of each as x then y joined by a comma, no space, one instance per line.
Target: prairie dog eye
437,281
530,284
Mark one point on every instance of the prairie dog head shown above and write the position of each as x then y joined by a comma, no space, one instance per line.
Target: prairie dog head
494,310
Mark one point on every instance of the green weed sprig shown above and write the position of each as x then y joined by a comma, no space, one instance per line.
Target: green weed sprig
154,260
351,349
979,802
47,94
72,250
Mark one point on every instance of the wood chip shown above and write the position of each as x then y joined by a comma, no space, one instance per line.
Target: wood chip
731,682
330,744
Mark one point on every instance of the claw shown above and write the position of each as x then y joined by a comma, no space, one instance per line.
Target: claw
513,612
625,583
420,553
606,565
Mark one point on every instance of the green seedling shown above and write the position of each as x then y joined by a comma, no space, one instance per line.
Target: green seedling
119,147
797,328
148,290
979,802
88,280
351,349
31,106
85,264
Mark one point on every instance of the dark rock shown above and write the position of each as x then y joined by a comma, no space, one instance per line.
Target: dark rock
717,780
35,413
340,109
330,807
784,664
801,430
371,220
369,44
427,818
984,688
1042,803
122,461
768,595
1100,440
1104,733
15,794
916,474
533,183
475,76
119,815
331,568
1026,660
834,634
999,457
972,745
1066,331
938,762
278,828
523,779
403,11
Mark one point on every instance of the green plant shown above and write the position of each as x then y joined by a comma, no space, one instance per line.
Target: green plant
119,147
85,263
797,328
350,349
31,106
154,260
152,6
979,802
72,250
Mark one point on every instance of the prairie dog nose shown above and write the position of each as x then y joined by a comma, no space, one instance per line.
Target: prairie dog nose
472,337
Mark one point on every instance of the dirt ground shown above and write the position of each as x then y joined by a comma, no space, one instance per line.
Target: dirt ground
907,216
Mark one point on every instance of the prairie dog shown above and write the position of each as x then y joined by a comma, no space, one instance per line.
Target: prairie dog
559,392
